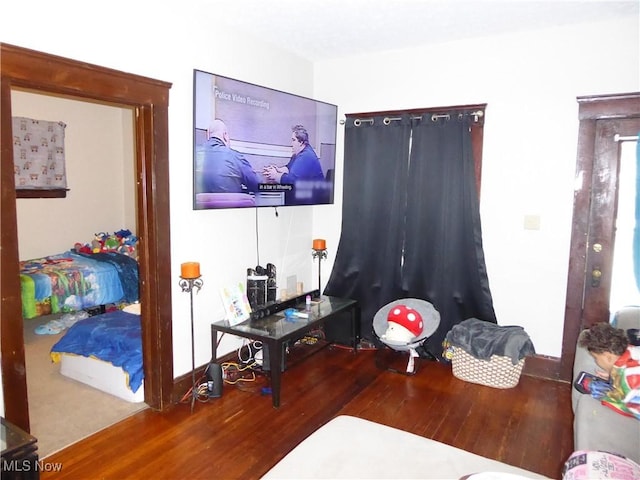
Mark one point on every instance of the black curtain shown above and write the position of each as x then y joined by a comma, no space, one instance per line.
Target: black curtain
375,176
411,220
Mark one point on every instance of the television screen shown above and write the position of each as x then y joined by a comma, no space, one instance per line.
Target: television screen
255,146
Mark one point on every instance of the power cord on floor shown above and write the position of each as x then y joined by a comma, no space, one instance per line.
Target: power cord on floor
233,373
363,345
202,394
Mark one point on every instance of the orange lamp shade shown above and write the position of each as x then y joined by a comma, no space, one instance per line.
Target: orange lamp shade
319,244
190,270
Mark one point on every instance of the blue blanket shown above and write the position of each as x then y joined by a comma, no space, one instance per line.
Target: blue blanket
127,269
72,281
114,337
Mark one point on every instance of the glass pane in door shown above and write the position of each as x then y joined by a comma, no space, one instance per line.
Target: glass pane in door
624,290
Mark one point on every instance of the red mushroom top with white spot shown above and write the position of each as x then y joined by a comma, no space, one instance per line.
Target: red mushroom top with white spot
406,317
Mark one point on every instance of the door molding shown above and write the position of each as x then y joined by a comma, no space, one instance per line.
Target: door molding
49,74
598,115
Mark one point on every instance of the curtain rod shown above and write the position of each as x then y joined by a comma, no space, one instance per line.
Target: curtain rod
434,117
619,138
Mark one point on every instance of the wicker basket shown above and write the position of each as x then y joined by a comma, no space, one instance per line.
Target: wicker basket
498,372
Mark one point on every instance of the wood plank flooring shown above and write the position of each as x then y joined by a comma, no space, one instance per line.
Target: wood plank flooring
241,436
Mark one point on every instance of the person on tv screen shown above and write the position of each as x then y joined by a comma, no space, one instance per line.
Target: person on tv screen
303,171
224,170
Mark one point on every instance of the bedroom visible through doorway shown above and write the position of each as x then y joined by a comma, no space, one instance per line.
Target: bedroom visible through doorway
31,70
100,153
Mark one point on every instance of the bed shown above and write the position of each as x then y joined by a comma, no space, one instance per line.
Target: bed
105,352
73,281
350,447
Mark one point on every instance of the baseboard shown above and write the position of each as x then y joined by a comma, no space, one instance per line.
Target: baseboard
539,366
542,366
182,384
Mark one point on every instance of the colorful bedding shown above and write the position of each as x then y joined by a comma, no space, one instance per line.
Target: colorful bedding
114,337
73,281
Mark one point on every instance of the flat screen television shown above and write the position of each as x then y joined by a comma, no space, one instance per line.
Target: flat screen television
255,146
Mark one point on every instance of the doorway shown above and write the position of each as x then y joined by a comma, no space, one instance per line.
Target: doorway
603,119
40,72
61,410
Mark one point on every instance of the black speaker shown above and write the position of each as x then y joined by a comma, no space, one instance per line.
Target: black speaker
214,380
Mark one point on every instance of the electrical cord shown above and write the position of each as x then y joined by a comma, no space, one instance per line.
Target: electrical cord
363,346
249,357
201,386
201,394
317,333
233,373
241,379
308,340
203,389
257,239
250,345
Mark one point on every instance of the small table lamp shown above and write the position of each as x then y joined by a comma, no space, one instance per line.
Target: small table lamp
319,251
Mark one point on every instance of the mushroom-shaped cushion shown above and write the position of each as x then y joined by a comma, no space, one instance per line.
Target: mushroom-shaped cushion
430,322
404,324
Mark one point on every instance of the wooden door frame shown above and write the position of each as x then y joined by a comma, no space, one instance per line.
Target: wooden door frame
43,73
593,110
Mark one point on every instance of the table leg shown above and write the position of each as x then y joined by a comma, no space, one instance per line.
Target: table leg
355,327
214,345
275,361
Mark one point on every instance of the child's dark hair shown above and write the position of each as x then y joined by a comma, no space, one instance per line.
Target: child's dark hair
603,337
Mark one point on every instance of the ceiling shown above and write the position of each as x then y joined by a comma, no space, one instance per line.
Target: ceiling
323,29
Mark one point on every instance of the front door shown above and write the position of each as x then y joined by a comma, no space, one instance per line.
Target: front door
603,215
603,119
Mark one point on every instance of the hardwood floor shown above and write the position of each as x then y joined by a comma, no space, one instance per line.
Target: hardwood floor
241,435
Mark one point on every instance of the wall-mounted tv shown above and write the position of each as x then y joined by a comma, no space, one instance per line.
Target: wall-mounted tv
256,146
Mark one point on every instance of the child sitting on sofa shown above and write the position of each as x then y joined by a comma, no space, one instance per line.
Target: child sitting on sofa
619,362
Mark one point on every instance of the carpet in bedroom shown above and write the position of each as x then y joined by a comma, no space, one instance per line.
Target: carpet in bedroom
61,410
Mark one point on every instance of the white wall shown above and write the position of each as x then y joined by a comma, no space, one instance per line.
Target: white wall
224,242
530,82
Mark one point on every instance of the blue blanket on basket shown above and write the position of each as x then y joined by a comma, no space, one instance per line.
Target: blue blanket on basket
114,337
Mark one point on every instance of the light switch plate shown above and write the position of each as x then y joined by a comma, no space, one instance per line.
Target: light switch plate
532,222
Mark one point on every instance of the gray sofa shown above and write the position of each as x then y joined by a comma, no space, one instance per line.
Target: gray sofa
596,427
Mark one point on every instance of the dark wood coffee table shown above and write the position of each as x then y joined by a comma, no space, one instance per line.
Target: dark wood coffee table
274,330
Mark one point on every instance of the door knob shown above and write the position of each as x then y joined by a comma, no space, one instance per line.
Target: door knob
596,273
